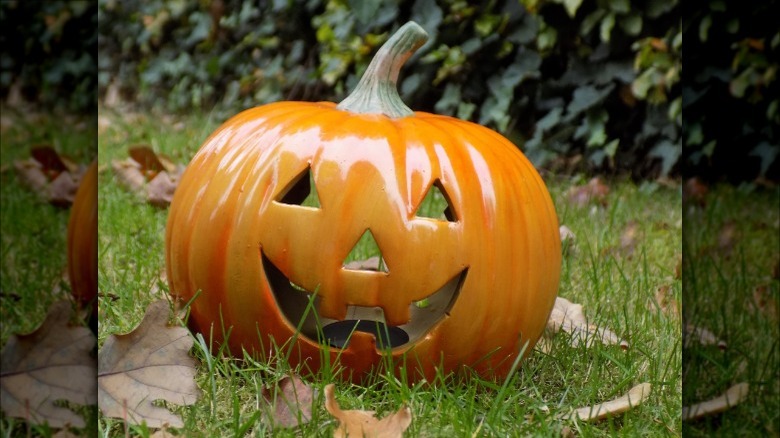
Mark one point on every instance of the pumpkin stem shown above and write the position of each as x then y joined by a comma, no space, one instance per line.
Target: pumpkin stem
377,92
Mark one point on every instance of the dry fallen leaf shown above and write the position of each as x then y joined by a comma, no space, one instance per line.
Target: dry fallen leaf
567,239
765,302
666,301
727,238
151,176
629,238
634,397
695,192
356,424
147,159
53,363
53,177
594,191
702,335
148,364
678,269
129,174
162,433
64,433
733,396
290,404
160,190
569,317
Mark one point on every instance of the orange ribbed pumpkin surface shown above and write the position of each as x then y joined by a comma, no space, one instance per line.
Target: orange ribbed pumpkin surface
82,240
239,236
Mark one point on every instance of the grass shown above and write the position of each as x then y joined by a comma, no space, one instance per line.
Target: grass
720,275
616,289
34,232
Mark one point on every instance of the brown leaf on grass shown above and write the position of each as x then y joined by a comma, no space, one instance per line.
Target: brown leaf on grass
53,363
666,301
629,238
148,364
634,397
50,160
162,433
727,238
569,317
154,177
62,190
51,176
147,159
765,303
129,175
733,396
695,192
595,191
290,404
678,269
160,190
355,424
64,433
702,335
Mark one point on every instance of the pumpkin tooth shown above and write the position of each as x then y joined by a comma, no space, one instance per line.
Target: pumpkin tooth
301,308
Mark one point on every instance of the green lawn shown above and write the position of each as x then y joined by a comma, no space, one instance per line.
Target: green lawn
732,245
617,290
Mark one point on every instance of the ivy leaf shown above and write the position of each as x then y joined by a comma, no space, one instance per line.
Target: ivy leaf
429,15
549,120
631,24
449,100
767,153
585,97
525,31
668,152
148,364
572,6
605,30
53,363
620,6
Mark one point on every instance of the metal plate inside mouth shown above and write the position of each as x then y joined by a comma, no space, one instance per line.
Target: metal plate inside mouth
337,334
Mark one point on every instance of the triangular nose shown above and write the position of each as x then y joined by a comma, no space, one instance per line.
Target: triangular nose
365,255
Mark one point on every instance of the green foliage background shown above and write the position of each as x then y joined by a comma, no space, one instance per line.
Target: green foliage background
578,84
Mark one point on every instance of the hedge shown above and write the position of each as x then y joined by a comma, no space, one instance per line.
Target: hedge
579,84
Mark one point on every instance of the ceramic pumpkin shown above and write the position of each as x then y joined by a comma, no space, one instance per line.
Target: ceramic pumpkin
270,271
82,242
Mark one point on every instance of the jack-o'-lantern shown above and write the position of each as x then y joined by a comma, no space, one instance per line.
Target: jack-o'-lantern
268,271
82,243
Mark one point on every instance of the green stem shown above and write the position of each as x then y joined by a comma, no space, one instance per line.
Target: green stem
377,93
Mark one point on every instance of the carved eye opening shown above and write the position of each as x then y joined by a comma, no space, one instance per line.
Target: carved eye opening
300,191
436,204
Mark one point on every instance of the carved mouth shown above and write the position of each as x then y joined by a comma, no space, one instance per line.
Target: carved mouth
301,309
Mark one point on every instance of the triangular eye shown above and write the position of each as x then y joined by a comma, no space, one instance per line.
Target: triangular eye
300,191
437,204
365,255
